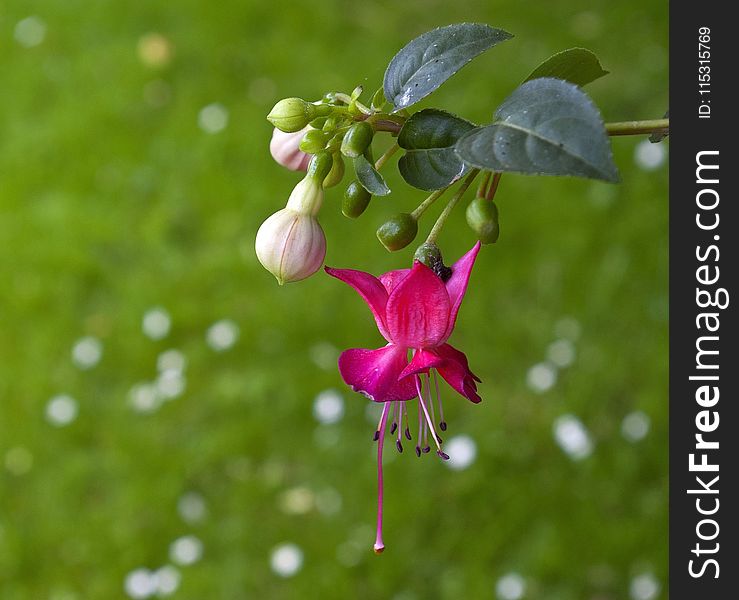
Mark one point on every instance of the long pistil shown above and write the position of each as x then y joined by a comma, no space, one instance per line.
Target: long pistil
379,545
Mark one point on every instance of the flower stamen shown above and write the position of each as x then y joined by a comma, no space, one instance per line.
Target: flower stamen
442,421
429,422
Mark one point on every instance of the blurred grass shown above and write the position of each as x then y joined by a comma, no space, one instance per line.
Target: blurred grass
113,200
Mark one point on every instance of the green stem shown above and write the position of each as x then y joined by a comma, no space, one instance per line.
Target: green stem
436,229
493,186
384,122
416,214
483,184
385,157
638,127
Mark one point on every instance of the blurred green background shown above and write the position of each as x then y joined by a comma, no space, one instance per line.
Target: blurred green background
172,422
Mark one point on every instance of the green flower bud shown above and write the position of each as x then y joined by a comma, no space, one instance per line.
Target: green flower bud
292,114
482,217
397,232
357,139
319,122
320,166
356,200
336,174
429,254
313,141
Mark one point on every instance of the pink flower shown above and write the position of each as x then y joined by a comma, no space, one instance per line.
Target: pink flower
284,149
415,311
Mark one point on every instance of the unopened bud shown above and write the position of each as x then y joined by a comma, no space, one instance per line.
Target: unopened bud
320,166
336,174
429,254
307,195
313,141
357,139
399,231
291,245
292,114
356,200
482,217
284,148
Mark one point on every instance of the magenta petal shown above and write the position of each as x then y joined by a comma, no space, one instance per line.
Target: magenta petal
423,361
456,372
392,278
375,373
456,285
371,291
417,311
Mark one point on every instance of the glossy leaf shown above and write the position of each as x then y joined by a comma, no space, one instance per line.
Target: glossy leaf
428,137
576,65
432,58
369,177
545,127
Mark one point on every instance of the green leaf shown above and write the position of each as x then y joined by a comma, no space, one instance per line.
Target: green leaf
576,65
428,137
545,127
432,58
369,177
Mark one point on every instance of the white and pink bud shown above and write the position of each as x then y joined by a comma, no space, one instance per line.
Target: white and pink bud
284,148
291,244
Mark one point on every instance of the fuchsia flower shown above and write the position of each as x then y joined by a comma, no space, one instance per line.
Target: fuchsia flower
284,148
415,311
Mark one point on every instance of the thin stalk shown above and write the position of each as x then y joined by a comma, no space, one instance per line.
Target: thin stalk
438,226
638,127
493,186
416,214
483,184
385,157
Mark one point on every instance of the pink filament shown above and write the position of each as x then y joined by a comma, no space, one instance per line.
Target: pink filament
379,545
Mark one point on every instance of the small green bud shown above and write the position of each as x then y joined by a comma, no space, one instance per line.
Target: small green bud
292,114
356,200
429,254
482,217
397,232
336,174
320,166
357,139
313,141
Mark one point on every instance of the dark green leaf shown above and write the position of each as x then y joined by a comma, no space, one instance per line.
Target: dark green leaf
428,137
432,58
576,65
370,179
545,127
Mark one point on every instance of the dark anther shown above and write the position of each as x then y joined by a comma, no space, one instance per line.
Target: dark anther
426,450
443,455
418,450
399,446
408,433
393,427
442,425
438,437
376,436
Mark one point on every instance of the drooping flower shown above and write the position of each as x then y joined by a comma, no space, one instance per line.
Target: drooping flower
415,311
291,244
284,148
